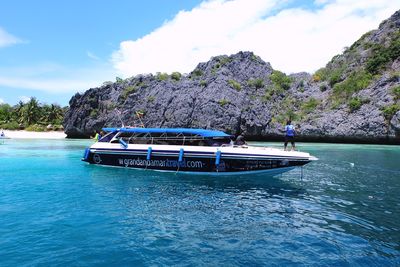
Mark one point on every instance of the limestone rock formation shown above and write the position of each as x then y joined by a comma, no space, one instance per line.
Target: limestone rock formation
355,98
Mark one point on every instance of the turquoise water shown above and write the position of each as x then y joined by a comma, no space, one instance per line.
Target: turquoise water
56,210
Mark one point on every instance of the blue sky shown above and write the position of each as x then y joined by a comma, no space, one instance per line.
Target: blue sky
59,37
53,49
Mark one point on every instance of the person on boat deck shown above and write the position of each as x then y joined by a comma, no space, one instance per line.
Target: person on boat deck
240,141
290,132
97,136
231,142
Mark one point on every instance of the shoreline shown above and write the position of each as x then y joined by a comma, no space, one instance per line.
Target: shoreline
22,134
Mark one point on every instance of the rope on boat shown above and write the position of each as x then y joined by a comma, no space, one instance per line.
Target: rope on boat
301,173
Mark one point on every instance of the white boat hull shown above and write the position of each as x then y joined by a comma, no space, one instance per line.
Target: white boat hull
196,159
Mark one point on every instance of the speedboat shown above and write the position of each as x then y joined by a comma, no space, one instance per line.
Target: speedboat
194,151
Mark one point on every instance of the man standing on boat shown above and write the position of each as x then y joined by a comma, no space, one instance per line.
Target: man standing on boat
289,135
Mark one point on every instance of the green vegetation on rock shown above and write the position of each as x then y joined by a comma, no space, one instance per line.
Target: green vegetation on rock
119,80
256,58
396,92
94,113
111,106
197,73
280,80
235,85
223,102
203,83
127,91
266,97
280,83
394,75
284,115
323,87
355,82
162,76
360,41
382,54
176,76
215,68
347,76
310,105
390,110
355,103
141,85
257,83
224,60
287,110
331,75
335,76
320,75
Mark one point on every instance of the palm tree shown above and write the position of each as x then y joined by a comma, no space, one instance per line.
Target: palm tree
30,112
17,111
52,114
5,113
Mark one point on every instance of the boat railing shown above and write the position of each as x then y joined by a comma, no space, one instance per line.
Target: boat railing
171,140
152,139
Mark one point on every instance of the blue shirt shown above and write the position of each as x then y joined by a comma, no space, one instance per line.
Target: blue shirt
289,129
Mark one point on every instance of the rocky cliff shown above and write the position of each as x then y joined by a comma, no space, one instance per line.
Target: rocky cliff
355,98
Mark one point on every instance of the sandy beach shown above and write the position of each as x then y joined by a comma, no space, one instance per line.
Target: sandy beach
34,135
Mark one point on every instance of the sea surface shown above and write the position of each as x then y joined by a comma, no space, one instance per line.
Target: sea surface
58,211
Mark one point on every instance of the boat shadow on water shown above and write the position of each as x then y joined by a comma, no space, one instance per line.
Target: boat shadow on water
271,184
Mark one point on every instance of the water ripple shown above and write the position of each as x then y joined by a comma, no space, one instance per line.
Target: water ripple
55,210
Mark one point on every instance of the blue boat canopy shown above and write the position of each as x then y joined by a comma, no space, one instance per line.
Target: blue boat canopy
200,132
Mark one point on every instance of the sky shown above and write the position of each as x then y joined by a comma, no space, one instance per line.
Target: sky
54,49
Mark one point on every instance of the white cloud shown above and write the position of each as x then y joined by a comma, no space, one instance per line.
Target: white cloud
53,78
92,55
321,2
48,85
2,101
192,36
292,39
24,99
7,39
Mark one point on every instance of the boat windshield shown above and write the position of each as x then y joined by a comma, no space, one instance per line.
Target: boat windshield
108,137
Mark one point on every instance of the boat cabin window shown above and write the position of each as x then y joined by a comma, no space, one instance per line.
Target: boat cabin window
170,139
